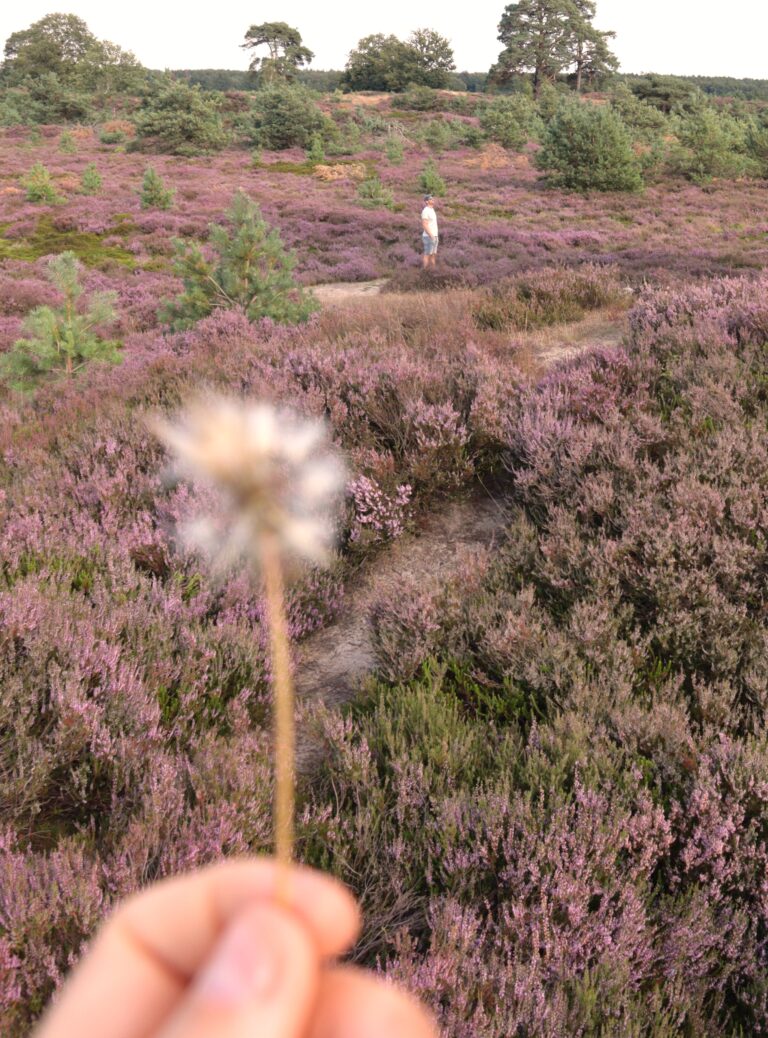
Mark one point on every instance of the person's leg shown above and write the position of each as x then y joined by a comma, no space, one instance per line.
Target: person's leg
425,241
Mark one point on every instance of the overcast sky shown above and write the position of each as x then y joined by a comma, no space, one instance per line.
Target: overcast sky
673,36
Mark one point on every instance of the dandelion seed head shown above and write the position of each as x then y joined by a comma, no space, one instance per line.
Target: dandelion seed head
276,472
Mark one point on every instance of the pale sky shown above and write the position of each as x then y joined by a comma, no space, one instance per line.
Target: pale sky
690,37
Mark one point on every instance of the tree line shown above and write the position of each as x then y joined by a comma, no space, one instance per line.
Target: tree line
58,60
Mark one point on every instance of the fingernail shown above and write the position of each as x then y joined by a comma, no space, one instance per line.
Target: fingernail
243,968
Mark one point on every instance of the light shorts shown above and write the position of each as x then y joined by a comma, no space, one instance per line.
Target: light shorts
430,244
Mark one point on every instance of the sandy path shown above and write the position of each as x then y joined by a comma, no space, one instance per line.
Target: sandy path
332,663
343,291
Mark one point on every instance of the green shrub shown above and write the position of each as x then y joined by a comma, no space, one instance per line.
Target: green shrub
645,122
511,121
587,147
710,145
394,150
316,151
113,137
373,195
472,136
61,340
757,146
419,99
430,181
284,117
67,143
90,182
250,271
181,120
439,135
39,186
154,193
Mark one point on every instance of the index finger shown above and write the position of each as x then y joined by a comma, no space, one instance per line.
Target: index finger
155,943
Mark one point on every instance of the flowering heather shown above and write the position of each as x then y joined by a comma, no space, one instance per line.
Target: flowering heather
554,802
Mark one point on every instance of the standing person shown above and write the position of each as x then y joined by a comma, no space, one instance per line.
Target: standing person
429,231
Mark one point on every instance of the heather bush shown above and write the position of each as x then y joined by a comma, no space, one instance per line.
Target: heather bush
39,186
555,811
250,271
61,340
548,297
154,194
588,148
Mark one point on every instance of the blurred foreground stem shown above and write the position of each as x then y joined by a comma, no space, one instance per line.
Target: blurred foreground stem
282,688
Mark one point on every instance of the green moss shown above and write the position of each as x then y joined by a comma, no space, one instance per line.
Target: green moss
48,240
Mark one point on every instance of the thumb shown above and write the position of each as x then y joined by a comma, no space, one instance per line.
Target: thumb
261,979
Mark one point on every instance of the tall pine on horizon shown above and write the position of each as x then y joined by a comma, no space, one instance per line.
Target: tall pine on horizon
548,37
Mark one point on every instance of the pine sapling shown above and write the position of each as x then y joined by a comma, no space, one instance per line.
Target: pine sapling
154,194
61,340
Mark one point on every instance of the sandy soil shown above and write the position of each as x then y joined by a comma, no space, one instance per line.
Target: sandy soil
344,291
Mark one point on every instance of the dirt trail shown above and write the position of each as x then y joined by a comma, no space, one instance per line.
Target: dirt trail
332,663
344,291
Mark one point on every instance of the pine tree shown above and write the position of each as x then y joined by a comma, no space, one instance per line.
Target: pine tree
251,272
154,193
587,147
61,340
40,187
90,182
547,37
538,38
590,51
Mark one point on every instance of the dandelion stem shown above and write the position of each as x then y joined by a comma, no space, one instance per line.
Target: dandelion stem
282,686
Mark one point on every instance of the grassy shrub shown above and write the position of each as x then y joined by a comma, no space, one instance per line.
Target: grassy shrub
61,340
589,148
251,272
548,297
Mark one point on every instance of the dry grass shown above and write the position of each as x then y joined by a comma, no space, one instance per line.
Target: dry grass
426,321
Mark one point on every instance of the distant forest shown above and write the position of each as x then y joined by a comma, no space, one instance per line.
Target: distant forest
330,80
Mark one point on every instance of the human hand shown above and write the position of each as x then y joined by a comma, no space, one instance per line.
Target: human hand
213,955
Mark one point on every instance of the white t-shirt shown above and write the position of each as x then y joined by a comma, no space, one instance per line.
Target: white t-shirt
429,214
